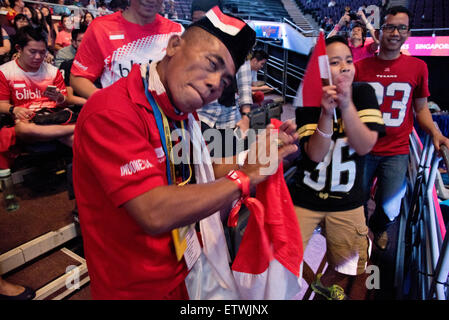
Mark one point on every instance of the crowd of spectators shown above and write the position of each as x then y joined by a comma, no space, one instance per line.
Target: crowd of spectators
328,12
44,66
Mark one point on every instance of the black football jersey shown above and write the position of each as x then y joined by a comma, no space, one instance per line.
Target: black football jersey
334,184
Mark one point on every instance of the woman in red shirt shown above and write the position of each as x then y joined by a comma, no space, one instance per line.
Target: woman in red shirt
64,37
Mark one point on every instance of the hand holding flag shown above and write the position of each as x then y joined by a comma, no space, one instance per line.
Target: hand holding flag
317,75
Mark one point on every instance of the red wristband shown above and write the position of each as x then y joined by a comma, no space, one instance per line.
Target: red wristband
241,180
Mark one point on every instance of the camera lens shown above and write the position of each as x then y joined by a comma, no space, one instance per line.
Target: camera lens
353,15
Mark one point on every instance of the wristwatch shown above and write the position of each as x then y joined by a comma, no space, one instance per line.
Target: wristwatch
11,110
245,114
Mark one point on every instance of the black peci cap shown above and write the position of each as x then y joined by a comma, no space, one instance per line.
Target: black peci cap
205,5
238,37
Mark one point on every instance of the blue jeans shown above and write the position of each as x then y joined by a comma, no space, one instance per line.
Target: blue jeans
391,184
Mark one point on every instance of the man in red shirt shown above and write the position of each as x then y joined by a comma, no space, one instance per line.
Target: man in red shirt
113,43
129,198
27,85
401,86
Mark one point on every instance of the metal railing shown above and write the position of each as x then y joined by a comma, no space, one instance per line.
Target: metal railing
246,16
280,72
422,257
77,11
301,30
434,31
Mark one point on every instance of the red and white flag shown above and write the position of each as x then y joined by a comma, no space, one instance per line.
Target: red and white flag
268,262
310,90
225,23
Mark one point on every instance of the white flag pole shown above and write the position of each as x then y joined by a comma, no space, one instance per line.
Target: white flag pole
328,76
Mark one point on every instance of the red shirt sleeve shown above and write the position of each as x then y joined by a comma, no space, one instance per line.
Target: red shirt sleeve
5,91
116,149
88,62
422,88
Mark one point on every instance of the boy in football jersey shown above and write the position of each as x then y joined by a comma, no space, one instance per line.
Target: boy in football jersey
113,43
329,175
401,85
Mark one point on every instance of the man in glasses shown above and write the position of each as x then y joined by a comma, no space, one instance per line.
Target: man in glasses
401,85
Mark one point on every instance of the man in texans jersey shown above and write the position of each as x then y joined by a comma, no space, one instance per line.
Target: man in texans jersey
401,85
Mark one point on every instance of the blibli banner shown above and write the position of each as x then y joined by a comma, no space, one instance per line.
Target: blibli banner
426,46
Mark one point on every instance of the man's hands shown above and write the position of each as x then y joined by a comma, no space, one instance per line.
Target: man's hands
362,16
25,114
344,19
22,114
269,149
438,140
55,95
265,89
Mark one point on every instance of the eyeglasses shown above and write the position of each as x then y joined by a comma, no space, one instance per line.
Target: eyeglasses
402,28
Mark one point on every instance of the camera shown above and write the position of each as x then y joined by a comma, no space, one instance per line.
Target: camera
353,15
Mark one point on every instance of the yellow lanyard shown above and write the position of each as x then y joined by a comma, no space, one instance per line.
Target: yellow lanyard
169,145
183,130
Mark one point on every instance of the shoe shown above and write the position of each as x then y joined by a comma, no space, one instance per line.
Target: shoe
334,292
381,240
28,294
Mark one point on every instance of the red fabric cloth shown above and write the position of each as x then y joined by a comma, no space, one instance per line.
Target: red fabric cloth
7,139
258,97
272,232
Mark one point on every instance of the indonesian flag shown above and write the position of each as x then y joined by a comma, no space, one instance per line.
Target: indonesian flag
268,261
267,265
225,23
317,72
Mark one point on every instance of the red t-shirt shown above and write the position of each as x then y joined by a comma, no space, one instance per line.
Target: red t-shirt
118,156
64,38
25,89
112,45
396,83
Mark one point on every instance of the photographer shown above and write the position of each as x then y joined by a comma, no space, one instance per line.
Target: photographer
358,25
